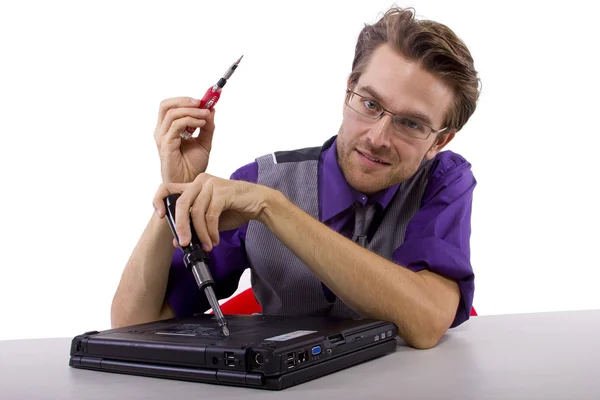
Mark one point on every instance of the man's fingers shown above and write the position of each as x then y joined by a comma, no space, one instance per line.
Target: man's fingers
163,191
199,209
182,212
178,113
174,102
197,202
209,128
213,214
179,125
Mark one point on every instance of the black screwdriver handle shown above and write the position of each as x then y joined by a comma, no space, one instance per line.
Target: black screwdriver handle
194,251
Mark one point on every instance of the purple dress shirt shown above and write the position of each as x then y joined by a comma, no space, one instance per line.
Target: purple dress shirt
437,238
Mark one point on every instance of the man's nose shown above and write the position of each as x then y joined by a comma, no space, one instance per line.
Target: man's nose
381,132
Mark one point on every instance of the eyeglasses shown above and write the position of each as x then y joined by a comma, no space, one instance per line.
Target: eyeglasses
367,107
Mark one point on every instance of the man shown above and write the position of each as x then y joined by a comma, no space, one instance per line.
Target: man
290,216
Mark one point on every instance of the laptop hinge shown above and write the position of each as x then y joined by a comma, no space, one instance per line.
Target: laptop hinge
84,361
240,377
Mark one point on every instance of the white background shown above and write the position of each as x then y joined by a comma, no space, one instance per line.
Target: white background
80,86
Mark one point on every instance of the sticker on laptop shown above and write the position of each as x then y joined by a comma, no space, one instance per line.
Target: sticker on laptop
191,330
289,336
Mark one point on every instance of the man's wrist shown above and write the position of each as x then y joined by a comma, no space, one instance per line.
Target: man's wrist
274,203
160,228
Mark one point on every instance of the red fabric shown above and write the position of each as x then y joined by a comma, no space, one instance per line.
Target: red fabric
245,303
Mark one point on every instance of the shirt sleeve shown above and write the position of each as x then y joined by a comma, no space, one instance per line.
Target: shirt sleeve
438,236
227,263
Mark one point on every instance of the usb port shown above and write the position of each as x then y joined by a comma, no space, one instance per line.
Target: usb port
290,364
337,339
291,356
229,359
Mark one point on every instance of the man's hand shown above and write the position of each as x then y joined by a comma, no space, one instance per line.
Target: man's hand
214,205
181,160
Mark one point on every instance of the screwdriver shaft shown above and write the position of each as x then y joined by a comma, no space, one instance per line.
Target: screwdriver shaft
202,276
214,304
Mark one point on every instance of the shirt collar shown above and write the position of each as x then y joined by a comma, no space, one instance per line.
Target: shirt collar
335,192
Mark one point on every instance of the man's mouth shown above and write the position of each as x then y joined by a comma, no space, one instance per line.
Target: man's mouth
371,158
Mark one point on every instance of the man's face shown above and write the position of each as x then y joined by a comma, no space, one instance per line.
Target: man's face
404,88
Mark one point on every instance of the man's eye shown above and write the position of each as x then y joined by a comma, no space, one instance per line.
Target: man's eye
412,124
371,105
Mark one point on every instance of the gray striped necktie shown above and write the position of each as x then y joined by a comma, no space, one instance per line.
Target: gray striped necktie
363,216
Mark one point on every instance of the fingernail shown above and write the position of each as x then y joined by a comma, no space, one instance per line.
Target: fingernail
205,247
182,240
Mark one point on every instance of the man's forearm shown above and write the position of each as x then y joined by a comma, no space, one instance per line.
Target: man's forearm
141,292
370,284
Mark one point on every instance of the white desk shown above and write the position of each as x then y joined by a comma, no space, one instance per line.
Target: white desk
527,356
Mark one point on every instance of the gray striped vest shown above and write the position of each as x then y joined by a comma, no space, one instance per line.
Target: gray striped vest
282,284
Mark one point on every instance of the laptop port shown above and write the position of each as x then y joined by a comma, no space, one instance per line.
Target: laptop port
291,363
302,356
316,350
258,359
337,339
229,359
291,356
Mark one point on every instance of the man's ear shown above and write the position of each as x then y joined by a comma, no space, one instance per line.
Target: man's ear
440,142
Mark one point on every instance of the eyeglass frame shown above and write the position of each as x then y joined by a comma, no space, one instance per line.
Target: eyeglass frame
350,92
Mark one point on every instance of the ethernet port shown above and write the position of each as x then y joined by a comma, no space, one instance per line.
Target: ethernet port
302,356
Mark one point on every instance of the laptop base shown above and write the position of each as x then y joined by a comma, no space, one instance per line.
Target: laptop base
231,378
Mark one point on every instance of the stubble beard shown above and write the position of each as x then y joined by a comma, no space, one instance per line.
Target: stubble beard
363,180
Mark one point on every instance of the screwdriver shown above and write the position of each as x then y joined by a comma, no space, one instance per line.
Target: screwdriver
212,96
195,260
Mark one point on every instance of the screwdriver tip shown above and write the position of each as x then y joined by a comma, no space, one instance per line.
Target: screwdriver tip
239,59
225,331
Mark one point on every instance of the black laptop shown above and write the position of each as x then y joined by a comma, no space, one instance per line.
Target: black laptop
265,352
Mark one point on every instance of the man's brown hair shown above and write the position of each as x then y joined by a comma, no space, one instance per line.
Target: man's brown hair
434,46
